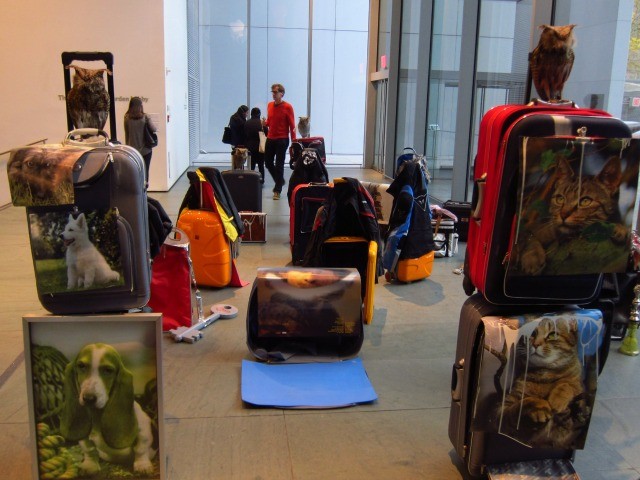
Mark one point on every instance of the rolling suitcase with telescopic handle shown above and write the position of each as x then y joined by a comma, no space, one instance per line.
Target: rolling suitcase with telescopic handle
88,223
535,234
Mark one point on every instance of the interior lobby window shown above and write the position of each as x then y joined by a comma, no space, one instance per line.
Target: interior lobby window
247,46
444,78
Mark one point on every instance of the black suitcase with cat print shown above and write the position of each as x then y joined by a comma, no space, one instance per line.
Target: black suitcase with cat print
88,224
555,358
528,241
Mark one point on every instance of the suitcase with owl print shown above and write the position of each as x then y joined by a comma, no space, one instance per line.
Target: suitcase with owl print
523,245
503,351
89,102
88,224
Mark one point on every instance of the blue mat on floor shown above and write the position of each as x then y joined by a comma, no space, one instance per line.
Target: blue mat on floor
306,385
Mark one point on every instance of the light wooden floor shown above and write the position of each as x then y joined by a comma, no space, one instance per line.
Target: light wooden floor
408,353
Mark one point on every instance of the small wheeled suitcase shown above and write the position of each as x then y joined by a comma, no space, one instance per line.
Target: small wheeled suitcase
255,227
211,252
524,383
305,202
532,232
88,224
245,189
462,210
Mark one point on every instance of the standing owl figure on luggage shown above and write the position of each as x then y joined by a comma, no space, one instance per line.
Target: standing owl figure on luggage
552,60
304,127
88,100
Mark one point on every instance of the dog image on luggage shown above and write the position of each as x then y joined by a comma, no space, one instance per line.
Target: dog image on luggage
75,251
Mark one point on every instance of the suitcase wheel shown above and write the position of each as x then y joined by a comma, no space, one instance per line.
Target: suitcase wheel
467,285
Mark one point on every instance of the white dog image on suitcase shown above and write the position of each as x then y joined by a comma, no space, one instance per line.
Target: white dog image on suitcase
86,266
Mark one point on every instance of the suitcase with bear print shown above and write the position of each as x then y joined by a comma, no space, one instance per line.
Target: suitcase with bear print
88,224
522,244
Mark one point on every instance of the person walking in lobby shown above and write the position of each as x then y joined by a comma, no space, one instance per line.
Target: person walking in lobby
281,123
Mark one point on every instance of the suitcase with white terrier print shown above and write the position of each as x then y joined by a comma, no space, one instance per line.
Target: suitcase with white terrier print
88,228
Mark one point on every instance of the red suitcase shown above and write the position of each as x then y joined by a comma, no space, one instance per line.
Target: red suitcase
494,224
306,199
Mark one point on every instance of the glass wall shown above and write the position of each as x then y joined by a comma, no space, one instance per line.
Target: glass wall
247,46
444,79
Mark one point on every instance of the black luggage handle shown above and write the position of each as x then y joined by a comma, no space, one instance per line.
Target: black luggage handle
107,58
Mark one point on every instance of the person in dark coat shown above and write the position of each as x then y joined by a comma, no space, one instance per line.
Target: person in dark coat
252,140
236,123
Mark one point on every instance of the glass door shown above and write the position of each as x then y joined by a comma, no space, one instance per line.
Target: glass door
444,77
380,137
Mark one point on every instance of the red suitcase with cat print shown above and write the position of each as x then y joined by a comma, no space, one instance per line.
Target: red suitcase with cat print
505,350
516,254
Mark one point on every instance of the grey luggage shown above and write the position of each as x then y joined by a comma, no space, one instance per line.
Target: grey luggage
245,189
88,224
489,425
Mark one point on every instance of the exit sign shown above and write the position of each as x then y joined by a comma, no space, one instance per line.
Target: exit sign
635,102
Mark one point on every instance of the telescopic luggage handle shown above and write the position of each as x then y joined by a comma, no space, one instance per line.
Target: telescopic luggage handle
85,132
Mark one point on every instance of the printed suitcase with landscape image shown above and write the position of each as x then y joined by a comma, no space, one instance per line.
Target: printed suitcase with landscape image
88,224
524,243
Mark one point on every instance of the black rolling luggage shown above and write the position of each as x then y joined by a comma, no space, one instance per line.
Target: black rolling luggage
305,202
554,358
88,224
245,189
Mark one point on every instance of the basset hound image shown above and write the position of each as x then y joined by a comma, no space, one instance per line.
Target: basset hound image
100,412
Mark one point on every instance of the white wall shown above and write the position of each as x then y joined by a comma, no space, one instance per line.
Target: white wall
602,47
35,33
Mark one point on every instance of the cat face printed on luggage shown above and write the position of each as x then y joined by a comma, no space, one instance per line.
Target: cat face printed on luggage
576,211
538,377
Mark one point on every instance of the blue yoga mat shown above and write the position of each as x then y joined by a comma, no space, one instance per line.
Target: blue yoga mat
306,385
